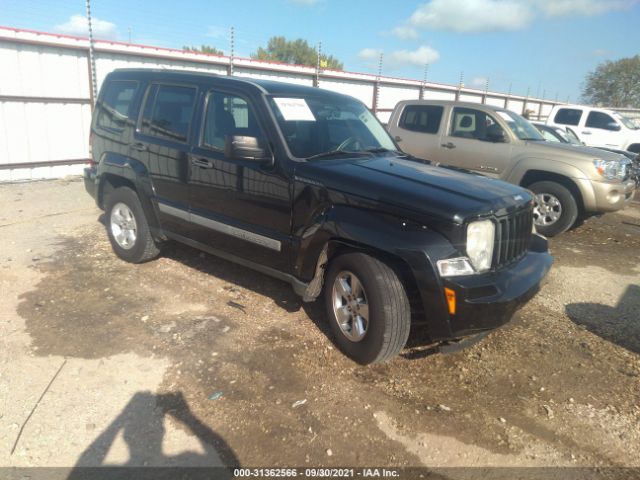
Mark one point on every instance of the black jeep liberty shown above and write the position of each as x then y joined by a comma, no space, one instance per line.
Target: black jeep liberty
306,185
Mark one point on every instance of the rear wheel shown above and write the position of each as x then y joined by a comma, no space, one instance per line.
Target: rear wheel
368,308
127,227
555,210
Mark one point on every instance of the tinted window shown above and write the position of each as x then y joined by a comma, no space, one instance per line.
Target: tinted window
227,115
421,118
600,120
568,116
115,105
168,111
470,123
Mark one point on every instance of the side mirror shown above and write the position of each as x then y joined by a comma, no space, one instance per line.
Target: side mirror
237,147
495,134
613,126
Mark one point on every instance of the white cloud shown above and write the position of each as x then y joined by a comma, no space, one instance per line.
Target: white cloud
560,8
419,57
479,82
405,32
473,16
464,16
78,25
214,31
370,53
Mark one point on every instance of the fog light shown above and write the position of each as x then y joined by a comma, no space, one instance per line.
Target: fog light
451,300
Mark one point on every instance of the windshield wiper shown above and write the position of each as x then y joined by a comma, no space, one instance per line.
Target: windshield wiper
531,139
332,153
380,150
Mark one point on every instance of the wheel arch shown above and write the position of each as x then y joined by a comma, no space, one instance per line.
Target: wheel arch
534,176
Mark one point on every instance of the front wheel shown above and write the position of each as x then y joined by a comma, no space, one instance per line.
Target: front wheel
555,209
368,308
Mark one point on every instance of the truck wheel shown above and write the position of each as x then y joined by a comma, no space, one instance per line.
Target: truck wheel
368,308
555,209
127,227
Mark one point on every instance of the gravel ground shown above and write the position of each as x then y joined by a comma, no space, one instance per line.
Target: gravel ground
191,360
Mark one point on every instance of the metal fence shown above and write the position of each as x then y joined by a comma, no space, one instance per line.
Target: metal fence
46,95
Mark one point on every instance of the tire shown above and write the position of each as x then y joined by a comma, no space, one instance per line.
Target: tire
556,209
386,330
124,215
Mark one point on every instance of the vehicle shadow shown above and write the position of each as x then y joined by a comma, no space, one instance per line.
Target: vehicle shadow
279,291
141,426
617,324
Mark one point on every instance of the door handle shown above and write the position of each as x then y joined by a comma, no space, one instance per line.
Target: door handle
448,145
141,147
398,139
586,133
202,162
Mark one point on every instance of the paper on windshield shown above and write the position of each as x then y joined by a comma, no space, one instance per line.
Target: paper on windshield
294,109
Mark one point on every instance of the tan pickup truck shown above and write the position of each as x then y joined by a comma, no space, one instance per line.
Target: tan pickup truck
568,181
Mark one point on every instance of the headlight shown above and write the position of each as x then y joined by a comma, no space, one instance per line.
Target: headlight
611,169
480,236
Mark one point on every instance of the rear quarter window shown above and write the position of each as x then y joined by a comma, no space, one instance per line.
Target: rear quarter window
421,118
115,106
568,116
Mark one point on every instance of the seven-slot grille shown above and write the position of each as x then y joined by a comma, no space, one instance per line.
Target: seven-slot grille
513,234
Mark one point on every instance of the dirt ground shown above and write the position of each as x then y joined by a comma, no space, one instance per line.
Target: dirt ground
192,360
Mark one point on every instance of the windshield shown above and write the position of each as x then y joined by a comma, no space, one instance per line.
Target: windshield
317,125
521,127
628,122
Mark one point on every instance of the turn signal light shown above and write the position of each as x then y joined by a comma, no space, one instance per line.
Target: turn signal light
451,300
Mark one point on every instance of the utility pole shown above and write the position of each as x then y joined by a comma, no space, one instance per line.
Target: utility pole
316,80
232,51
460,85
486,91
506,99
92,58
376,87
424,81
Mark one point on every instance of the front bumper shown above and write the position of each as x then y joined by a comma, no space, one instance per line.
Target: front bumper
90,184
488,301
613,196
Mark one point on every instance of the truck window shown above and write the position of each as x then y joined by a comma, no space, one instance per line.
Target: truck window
114,107
421,118
601,120
470,123
568,116
227,114
168,111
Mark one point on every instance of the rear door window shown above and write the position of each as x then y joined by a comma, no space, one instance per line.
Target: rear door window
114,107
168,112
421,118
568,116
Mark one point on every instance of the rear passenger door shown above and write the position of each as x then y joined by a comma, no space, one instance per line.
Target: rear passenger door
162,142
238,206
464,143
418,128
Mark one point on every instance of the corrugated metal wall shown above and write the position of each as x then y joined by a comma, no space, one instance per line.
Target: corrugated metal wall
45,94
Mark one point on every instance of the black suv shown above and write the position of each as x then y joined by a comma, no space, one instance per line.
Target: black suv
307,186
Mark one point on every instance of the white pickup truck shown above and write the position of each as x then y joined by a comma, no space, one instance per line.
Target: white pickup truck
597,127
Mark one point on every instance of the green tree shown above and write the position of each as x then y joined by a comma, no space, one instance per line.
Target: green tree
614,84
203,49
297,52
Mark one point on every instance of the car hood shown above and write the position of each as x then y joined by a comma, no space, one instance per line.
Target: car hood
565,150
416,187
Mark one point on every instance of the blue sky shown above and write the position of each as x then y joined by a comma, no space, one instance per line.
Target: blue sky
544,46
